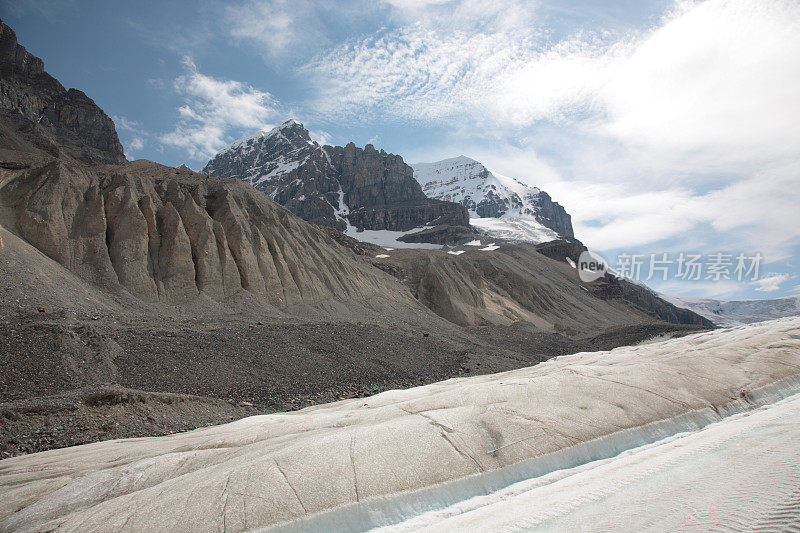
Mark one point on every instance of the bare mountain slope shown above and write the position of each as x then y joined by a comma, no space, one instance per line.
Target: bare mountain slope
516,282
173,236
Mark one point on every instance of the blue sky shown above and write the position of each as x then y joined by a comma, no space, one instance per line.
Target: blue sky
662,126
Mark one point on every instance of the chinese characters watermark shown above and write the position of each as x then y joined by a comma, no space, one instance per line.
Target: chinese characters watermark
689,266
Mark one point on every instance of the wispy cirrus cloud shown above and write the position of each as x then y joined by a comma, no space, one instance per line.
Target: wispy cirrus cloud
771,283
710,76
441,60
471,61
286,31
216,111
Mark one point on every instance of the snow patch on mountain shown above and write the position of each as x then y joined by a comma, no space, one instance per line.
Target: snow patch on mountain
390,238
501,206
514,229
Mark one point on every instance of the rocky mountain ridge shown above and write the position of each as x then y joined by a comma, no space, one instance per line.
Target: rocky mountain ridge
37,107
336,186
499,205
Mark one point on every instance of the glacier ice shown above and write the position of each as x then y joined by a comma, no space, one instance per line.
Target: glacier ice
740,473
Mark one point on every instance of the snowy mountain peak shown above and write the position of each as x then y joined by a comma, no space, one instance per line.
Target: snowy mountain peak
343,187
266,155
287,132
498,204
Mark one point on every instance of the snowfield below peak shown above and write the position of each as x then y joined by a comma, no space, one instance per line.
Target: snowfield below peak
384,238
514,229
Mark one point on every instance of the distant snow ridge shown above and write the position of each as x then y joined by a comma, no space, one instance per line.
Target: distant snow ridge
501,206
484,193
736,313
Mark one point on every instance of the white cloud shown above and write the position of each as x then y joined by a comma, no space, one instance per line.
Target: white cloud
135,144
281,30
771,283
717,83
761,211
126,124
321,136
268,23
447,59
723,289
756,213
413,73
715,76
611,216
214,109
712,86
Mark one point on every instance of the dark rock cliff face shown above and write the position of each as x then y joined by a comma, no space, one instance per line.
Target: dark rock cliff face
334,186
552,215
56,120
408,215
491,206
372,178
561,250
